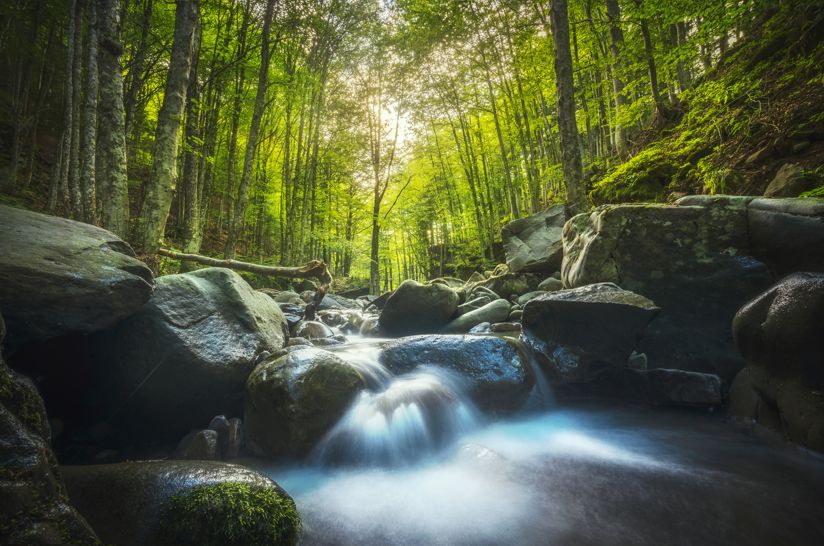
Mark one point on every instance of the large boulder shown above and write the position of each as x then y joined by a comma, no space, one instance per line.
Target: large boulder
416,308
498,369
583,330
779,335
34,508
182,502
788,234
533,244
63,277
186,355
293,400
693,260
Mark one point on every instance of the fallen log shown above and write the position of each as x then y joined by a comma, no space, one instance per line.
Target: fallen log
312,269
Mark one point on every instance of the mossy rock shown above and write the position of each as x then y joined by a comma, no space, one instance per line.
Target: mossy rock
183,502
230,513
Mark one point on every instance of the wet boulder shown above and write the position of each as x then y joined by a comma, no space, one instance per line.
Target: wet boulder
779,335
62,277
498,369
533,244
693,260
182,502
787,234
416,308
313,329
186,355
293,400
34,508
583,330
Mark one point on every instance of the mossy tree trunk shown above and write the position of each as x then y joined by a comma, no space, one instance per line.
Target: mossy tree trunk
159,190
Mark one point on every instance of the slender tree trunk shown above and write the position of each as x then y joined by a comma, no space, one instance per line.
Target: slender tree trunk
87,172
576,196
252,137
155,209
112,177
649,54
74,206
61,188
616,43
192,230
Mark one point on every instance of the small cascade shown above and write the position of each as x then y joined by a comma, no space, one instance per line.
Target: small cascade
415,415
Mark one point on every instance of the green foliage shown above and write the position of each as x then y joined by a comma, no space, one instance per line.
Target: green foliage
228,514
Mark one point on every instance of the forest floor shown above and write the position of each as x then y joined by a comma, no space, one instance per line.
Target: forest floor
757,111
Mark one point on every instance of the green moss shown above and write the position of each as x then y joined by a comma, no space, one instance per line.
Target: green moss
230,513
645,177
817,192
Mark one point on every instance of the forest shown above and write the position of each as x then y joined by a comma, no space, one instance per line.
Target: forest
391,139
402,272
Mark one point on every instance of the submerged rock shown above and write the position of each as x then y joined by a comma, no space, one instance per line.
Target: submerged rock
779,335
62,277
533,244
293,400
497,368
583,330
416,308
186,355
177,502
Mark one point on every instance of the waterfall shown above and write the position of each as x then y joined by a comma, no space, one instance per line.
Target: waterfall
403,420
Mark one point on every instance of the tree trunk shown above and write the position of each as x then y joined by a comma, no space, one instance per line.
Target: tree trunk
112,177
616,42
87,169
192,230
576,197
155,209
252,137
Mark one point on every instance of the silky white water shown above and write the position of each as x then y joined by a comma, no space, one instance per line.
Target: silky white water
413,462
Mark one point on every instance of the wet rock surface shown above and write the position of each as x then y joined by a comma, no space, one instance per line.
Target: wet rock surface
291,401
533,244
779,335
497,368
182,502
186,355
416,308
63,277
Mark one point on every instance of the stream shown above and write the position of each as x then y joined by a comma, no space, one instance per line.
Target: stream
414,462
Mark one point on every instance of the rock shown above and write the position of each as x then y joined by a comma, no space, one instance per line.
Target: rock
551,285
528,296
693,260
779,335
198,445
788,234
220,424
471,305
292,401
788,182
182,502
370,326
186,355
744,400
496,311
658,386
502,327
415,308
498,369
293,341
516,314
476,276
482,328
62,277
34,507
533,244
506,284
312,329
287,296
586,329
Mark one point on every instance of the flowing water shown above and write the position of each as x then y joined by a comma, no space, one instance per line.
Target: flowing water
414,462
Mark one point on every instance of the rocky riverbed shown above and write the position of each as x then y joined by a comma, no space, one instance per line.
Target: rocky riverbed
657,380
